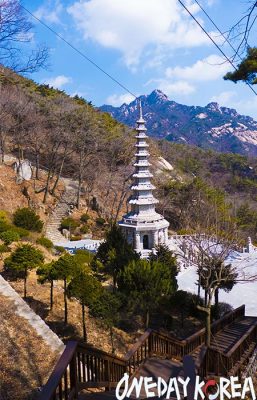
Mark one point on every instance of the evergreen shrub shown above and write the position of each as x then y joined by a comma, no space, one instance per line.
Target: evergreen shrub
27,218
9,237
84,218
100,221
45,242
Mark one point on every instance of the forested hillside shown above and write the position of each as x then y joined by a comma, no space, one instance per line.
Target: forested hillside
216,186
68,137
64,136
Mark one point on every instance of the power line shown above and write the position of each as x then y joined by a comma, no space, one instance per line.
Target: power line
114,79
213,41
214,24
218,29
79,52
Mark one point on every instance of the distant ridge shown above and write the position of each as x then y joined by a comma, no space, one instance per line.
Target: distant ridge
211,127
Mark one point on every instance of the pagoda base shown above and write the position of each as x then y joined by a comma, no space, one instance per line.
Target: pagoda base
145,236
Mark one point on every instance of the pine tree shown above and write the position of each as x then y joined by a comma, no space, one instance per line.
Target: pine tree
246,70
145,283
24,259
48,273
115,253
166,257
86,288
107,307
66,268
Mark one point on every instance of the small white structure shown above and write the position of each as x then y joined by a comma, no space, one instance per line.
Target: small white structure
143,227
250,247
23,170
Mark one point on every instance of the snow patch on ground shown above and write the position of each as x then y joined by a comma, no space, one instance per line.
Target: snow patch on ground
242,293
84,244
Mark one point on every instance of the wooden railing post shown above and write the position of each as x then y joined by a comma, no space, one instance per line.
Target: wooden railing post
74,376
107,375
150,345
81,366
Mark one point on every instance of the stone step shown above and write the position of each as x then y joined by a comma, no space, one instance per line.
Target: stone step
61,211
53,224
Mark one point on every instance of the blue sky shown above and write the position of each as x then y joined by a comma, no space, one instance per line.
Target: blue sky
145,44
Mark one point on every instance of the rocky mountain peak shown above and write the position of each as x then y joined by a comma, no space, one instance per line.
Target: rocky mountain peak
210,127
157,96
213,106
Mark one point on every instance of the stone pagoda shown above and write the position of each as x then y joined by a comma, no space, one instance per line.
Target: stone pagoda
143,227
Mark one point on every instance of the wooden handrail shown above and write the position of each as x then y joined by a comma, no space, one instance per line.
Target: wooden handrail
82,366
225,362
138,344
49,390
242,339
240,311
83,347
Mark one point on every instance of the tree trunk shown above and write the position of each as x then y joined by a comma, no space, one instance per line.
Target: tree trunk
25,286
84,322
80,177
2,145
52,295
207,311
65,302
205,297
112,341
147,320
52,164
199,290
208,327
216,294
37,166
47,186
60,172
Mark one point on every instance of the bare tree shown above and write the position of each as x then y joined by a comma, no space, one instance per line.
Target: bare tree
85,143
6,118
214,273
241,30
37,142
15,119
15,32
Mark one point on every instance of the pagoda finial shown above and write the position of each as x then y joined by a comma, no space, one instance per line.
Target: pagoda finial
140,109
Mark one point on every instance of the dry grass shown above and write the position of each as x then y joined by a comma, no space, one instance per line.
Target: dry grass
26,360
11,196
98,336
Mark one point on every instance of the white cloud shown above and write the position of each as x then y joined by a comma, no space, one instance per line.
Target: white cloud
180,87
133,26
58,82
80,94
247,107
210,2
50,12
232,99
208,69
224,98
117,100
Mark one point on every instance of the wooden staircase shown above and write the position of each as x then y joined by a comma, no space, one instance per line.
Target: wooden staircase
230,335
82,367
